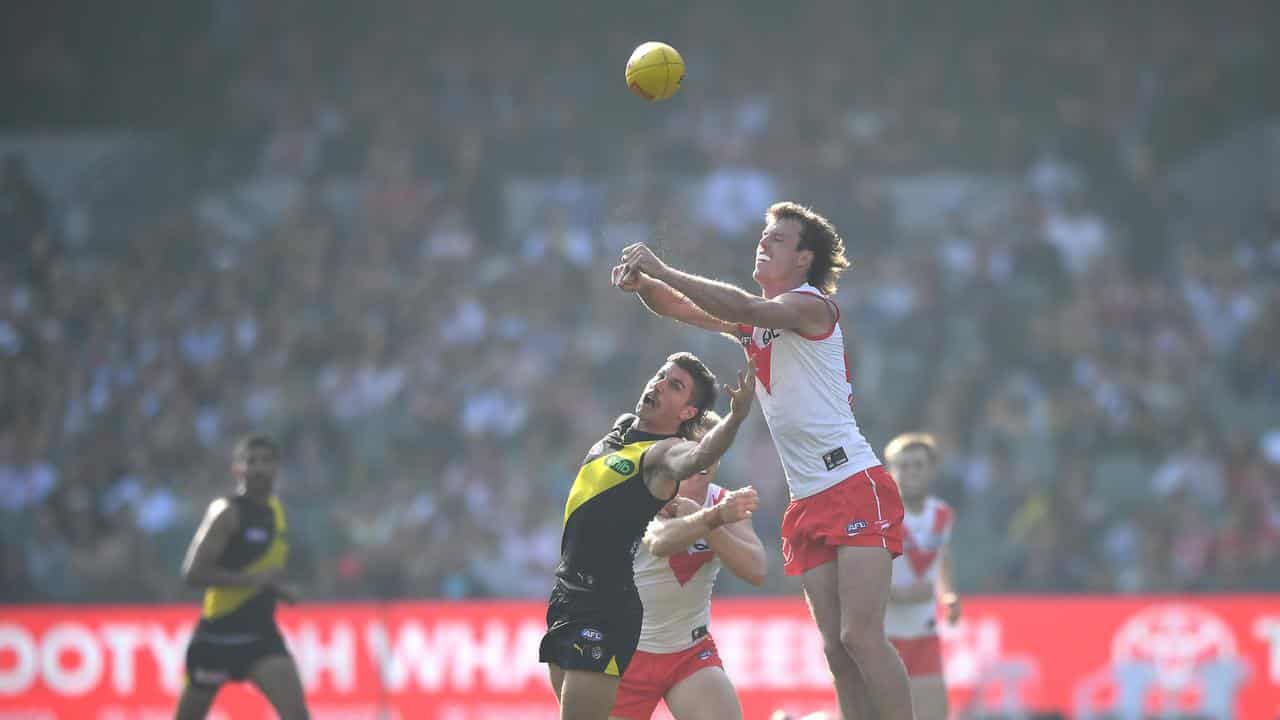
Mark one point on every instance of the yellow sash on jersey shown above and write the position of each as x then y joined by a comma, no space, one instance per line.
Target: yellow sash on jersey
608,470
220,601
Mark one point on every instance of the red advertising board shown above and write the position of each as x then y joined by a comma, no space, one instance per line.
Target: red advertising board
478,661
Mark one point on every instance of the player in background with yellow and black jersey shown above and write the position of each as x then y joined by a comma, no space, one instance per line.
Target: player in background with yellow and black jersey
238,554
594,614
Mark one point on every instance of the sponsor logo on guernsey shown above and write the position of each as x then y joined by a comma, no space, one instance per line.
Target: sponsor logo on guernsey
835,458
620,465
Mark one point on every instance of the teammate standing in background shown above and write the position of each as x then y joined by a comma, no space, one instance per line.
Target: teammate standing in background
594,615
238,554
676,569
844,524
922,576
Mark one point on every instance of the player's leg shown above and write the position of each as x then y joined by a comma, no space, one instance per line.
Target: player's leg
195,701
821,590
705,695
862,580
929,697
277,677
557,679
587,695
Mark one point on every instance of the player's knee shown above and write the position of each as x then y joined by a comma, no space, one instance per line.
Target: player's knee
838,658
861,639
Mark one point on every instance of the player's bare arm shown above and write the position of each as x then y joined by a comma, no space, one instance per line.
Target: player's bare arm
667,536
740,549
946,588
664,300
200,568
802,313
671,460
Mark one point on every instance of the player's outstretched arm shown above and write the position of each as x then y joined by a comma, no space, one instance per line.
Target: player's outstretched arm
662,299
667,536
805,314
672,460
200,568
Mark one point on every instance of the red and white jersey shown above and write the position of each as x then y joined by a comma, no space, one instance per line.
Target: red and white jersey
925,533
805,388
676,591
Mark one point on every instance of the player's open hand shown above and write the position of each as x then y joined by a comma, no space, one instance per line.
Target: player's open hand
741,397
639,257
626,279
738,504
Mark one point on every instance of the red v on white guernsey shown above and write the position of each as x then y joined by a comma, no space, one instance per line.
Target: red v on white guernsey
805,394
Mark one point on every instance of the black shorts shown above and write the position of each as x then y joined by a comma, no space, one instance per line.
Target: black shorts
591,630
215,659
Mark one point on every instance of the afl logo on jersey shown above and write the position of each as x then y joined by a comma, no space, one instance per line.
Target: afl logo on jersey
620,465
768,336
257,535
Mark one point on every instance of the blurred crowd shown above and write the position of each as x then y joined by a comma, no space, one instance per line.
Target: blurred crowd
398,262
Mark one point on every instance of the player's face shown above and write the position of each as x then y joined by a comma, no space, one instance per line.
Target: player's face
667,399
257,470
777,256
914,470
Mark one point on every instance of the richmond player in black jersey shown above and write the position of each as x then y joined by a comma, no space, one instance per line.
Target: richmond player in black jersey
238,555
594,614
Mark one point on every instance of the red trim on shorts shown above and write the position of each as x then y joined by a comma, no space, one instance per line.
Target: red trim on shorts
834,323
